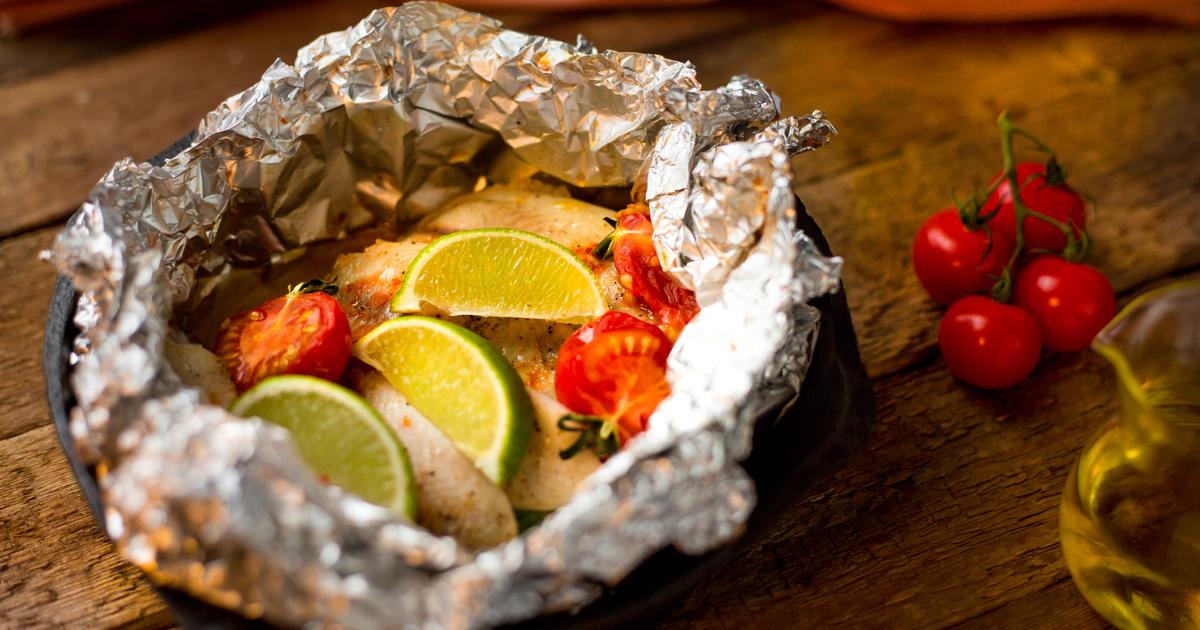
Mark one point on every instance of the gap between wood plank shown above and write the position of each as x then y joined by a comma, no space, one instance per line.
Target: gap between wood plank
120,29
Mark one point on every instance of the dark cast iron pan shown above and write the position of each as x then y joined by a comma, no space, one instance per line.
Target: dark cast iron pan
830,422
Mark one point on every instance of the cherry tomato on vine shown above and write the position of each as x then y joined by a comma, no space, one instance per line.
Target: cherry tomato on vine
303,332
989,344
1053,199
615,368
632,249
949,259
1070,301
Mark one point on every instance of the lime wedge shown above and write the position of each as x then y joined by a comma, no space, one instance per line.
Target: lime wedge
498,272
460,383
341,437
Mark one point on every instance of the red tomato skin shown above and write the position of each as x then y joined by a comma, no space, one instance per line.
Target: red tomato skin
305,334
989,344
1070,301
614,367
641,273
1057,202
949,259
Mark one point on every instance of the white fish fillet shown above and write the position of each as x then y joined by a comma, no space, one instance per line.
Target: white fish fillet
197,367
453,497
367,280
546,481
570,222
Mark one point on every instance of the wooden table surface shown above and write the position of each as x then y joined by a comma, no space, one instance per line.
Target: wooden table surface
950,516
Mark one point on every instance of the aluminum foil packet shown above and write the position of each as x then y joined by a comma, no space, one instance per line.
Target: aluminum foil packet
386,121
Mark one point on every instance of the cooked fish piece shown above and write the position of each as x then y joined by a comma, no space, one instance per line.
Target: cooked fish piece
577,225
530,345
546,481
367,280
453,497
573,223
197,367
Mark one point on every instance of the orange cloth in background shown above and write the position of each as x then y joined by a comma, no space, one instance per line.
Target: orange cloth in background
1185,11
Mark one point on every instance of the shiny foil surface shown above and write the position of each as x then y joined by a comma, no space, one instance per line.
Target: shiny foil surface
386,121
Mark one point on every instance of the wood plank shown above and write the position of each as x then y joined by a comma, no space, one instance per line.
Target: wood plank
919,173
63,130
951,511
1062,597
23,307
1144,222
17,18
949,516
894,89
916,105
93,36
664,31
56,567
68,127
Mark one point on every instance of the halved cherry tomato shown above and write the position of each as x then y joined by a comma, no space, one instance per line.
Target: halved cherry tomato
615,368
303,332
1053,199
641,273
989,344
1070,301
949,259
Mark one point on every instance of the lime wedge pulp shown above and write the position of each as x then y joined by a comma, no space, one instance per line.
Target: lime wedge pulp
460,383
342,438
500,272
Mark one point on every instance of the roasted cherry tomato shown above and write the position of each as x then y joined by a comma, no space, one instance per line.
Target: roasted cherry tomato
989,344
1052,198
303,332
640,272
1070,301
615,368
950,260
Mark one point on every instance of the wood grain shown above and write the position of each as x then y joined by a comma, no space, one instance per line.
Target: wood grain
23,305
64,130
916,106
949,518
950,512
92,37
56,567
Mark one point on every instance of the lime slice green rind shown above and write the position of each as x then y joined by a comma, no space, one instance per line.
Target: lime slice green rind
501,272
460,383
340,436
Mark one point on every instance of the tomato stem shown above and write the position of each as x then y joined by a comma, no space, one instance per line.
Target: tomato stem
1076,245
595,433
1028,136
603,249
315,285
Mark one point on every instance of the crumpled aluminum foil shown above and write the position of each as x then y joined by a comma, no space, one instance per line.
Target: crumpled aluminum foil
387,120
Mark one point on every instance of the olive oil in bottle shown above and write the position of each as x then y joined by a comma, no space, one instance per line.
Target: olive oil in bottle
1130,514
